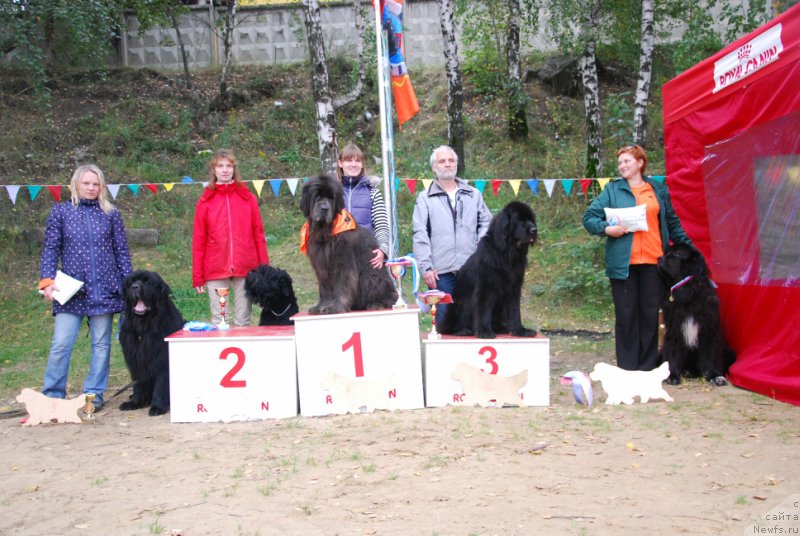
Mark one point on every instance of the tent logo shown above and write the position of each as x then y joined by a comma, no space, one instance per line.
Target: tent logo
748,58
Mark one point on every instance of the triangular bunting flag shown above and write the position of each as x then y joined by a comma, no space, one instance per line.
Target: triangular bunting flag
55,192
426,183
114,189
34,191
292,185
168,186
187,180
496,186
585,183
258,185
13,190
205,184
134,188
567,184
548,185
603,182
276,186
480,185
395,184
533,184
412,185
659,178
514,183
152,187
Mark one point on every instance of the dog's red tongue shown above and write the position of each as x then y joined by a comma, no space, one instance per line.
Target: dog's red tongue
140,307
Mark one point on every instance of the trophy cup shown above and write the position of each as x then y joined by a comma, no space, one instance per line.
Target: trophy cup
88,407
223,300
397,267
432,298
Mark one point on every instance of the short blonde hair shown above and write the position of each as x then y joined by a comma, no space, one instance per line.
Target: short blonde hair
222,154
102,197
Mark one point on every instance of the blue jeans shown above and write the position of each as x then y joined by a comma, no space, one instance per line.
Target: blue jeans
67,328
445,283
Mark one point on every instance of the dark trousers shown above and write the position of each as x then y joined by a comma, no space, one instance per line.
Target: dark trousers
446,283
636,303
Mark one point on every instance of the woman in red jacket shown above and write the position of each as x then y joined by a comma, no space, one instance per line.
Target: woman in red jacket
228,237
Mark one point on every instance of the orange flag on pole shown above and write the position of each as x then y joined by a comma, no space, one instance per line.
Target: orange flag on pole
405,99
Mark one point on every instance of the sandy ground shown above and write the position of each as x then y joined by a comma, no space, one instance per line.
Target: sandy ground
711,462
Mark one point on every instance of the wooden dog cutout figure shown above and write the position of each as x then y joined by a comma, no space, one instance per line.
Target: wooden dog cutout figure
352,395
481,388
43,409
622,385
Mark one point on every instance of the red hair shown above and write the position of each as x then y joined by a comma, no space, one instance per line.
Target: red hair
637,153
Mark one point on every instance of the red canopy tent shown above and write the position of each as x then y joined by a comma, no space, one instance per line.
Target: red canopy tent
732,134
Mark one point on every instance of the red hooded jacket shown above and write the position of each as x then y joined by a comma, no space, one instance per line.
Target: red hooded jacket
228,239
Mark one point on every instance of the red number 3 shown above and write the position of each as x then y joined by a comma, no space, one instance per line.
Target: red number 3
227,380
491,359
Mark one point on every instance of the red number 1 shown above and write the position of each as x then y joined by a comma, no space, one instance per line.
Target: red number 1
227,380
354,342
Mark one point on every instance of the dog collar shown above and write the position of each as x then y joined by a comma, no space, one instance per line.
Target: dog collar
678,285
279,314
344,221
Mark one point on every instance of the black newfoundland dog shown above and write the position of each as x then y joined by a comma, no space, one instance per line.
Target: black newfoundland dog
150,315
486,299
271,288
693,341
340,252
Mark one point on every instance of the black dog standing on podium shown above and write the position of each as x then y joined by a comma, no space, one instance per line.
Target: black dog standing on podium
486,300
272,289
340,252
150,316
694,344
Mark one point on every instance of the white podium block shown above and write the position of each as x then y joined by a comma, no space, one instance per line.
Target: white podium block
505,357
240,374
356,361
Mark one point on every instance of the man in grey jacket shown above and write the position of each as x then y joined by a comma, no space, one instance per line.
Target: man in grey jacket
450,217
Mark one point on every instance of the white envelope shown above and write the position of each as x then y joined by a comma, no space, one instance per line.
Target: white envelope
67,287
632,219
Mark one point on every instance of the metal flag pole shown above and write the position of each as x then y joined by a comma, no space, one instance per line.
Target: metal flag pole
386,150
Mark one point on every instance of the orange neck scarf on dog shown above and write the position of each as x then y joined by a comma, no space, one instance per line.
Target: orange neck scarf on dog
343,221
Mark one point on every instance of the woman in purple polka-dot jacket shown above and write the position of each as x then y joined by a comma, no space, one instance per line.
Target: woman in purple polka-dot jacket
87,236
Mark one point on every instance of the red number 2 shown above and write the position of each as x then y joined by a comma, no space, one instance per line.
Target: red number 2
354,342
491,359
227,380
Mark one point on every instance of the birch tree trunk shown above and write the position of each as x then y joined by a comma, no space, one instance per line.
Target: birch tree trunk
227,44
517,122
358,90
320,83
645,75
455,91
591,95
184,56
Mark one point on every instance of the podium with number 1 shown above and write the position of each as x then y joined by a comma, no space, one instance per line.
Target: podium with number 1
358,361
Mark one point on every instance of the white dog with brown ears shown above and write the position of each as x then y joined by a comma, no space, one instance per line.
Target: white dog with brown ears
622,385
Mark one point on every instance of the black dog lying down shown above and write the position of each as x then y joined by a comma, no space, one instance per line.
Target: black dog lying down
150,315
694,344
271,288
486,300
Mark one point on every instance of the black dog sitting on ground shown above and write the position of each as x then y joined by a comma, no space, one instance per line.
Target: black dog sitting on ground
271,288
694,344
150,315
486,300
339,252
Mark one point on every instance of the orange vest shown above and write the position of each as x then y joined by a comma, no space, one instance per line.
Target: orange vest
647,245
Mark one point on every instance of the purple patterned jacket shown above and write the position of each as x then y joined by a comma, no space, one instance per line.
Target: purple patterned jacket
93,248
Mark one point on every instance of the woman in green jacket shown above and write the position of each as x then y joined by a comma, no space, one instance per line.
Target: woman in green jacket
631,257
